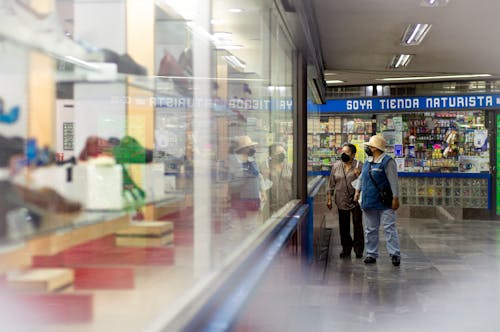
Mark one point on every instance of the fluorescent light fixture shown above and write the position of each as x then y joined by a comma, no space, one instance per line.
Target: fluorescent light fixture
333,81
415,33
276,88
217,22
235,61
228,47
423,78
401,60
434,3
235,10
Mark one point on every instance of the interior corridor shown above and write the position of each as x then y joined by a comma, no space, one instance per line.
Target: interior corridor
448,281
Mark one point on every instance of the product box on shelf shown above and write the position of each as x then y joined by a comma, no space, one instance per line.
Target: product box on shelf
146,234
99,187
150,177
40,279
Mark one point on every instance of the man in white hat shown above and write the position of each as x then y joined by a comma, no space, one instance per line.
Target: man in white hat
379,178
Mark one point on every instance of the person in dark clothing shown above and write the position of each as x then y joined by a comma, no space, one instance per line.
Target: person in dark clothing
343,173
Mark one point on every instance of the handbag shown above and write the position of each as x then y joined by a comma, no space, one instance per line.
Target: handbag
385,194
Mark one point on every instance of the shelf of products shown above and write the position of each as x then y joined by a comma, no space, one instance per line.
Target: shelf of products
447,142
327,134
442,157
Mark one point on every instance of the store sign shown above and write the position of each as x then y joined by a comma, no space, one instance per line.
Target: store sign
431,103
239,104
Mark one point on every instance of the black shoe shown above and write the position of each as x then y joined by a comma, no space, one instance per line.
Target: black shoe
344,254
359,255
396,260
370,260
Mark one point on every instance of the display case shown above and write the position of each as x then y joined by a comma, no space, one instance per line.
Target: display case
118,120
327,134
443,158
437,142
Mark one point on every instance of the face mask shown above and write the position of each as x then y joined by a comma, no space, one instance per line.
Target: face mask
368,151
279,158
345,157
251,152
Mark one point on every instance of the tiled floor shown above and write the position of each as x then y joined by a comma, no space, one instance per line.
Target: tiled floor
449,280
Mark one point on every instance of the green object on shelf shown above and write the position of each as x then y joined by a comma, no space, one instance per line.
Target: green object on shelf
130,151
133,195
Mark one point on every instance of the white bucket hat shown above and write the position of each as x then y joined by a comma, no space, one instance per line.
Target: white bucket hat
378,142
243,142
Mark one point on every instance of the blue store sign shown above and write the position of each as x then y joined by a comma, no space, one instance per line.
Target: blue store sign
388,104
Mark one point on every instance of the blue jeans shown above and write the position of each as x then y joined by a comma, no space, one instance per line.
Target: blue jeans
372,220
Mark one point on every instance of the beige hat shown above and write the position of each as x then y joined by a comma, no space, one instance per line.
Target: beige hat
378,142
243,142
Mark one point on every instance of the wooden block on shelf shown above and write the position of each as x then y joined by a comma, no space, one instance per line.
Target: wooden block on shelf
14,258
56,242
41,279
147,228
144,241
146,234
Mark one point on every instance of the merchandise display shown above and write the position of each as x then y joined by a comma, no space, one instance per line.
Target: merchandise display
442,142
443,158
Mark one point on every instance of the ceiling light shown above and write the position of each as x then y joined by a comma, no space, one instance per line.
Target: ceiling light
423,78
228,46
217,22
415,33
434,3
333,81
235,10
401,60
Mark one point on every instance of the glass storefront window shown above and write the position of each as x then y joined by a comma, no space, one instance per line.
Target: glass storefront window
449,149
171,146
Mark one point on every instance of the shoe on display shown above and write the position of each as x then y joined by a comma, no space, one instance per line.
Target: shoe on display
130,151
125,64
47,199
370,260
396,260
170,68
95,147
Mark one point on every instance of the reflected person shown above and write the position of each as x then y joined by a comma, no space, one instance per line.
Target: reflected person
280,173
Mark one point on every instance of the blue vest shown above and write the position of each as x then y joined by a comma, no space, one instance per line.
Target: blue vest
370,199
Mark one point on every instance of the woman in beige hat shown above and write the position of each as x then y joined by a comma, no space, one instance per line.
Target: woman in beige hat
245,176
379,174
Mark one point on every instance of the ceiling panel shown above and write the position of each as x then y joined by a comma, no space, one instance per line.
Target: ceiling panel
359,38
